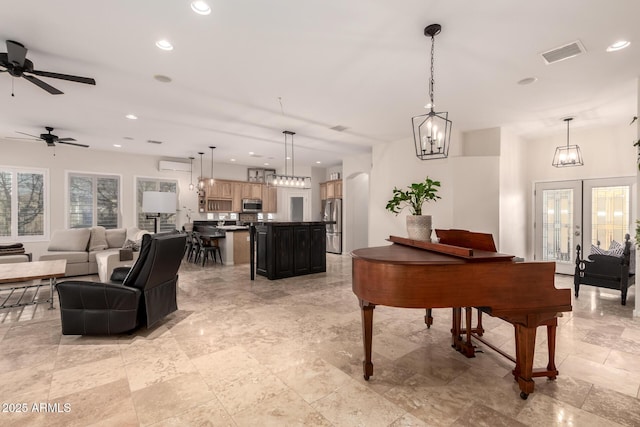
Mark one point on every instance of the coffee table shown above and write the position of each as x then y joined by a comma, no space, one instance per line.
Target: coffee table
26,271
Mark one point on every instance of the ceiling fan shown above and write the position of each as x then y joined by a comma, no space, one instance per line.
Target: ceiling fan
16,63
51,139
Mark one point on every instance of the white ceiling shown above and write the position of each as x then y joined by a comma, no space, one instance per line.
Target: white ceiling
362,64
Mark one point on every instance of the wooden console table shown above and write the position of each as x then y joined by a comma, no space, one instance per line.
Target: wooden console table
27,271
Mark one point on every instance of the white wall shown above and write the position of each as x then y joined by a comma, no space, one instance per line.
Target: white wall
395,165
355,202
513,196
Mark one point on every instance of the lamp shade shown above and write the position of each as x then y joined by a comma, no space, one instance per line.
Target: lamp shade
158,202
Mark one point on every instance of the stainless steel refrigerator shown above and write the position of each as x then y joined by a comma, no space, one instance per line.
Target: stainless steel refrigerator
332,211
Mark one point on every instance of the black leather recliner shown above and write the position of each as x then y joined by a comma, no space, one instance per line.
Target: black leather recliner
147,294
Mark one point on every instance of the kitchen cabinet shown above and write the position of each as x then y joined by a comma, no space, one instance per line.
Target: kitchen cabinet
219,190
269,199
331,189
236,190
218,205
290,249
252,190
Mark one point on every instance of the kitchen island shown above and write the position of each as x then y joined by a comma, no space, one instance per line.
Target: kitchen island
287,249
232,239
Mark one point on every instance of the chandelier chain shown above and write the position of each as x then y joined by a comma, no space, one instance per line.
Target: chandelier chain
432,81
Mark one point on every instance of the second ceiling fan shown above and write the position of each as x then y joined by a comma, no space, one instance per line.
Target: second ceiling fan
16,63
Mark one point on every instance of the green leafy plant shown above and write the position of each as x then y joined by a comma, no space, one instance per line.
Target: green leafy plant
413,198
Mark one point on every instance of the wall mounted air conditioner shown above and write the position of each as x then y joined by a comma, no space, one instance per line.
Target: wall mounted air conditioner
166,165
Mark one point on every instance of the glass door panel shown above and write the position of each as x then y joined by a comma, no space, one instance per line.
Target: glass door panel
558,223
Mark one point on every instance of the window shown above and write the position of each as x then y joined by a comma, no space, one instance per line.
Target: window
23,211
166,222
93,200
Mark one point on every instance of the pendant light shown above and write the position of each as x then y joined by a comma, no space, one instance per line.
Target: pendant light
287,180
191,186
569,155
211,180
432,131
200,179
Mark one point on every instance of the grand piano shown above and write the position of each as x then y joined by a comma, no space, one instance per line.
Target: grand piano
416,274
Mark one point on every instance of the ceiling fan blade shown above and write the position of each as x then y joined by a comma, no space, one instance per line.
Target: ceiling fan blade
52,90
22,139
73,143
76,79
16,53
28,134
65,139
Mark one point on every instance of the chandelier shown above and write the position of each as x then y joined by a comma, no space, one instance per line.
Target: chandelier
432,131
569,155
211,180
287,180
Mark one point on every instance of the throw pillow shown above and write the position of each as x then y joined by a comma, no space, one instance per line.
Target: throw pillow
75,240
131,244
614,245
598,250
98,239
116,237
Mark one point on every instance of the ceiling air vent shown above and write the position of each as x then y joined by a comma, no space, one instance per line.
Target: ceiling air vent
563,52
339,128
151,141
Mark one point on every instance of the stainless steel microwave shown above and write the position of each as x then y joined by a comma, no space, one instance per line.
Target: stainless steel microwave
251,205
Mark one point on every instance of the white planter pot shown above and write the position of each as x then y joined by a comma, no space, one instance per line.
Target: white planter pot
419,227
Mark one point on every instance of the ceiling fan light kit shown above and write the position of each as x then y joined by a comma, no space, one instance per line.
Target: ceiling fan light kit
432,131
16,63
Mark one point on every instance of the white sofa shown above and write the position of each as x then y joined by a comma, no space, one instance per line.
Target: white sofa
81,246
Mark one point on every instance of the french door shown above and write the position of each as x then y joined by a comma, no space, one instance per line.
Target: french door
581,212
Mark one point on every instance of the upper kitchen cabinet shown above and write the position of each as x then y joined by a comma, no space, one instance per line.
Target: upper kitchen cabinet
251,190
331,189
269,199
220,189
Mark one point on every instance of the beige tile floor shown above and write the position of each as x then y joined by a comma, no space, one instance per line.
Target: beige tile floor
288,352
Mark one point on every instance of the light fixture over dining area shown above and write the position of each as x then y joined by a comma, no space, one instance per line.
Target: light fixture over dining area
432,131
286,179
569,155
201,177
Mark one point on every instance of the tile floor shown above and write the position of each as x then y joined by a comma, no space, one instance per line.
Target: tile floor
288,352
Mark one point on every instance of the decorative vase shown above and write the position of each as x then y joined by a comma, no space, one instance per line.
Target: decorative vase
419,227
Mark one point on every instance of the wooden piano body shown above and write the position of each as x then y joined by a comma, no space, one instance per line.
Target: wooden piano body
415,274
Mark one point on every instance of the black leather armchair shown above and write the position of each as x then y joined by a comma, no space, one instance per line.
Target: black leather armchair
147,294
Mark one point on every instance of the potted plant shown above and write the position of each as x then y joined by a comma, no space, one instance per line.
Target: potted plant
418,225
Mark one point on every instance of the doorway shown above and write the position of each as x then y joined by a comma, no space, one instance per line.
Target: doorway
581,212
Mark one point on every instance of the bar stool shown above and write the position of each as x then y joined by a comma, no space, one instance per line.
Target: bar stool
208,247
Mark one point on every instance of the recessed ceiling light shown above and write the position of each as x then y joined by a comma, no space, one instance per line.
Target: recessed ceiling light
266,164
318,162
621,44
131,117
200,7
117,145
288,158
164,45
233,160
527,81
161,78
251,153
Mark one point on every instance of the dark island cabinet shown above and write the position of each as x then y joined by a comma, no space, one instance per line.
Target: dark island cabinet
290,249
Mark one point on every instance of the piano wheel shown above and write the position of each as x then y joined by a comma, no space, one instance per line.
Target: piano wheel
524,395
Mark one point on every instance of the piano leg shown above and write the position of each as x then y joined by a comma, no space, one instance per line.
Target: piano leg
367,335
525,349
464,346
428,318
552,371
